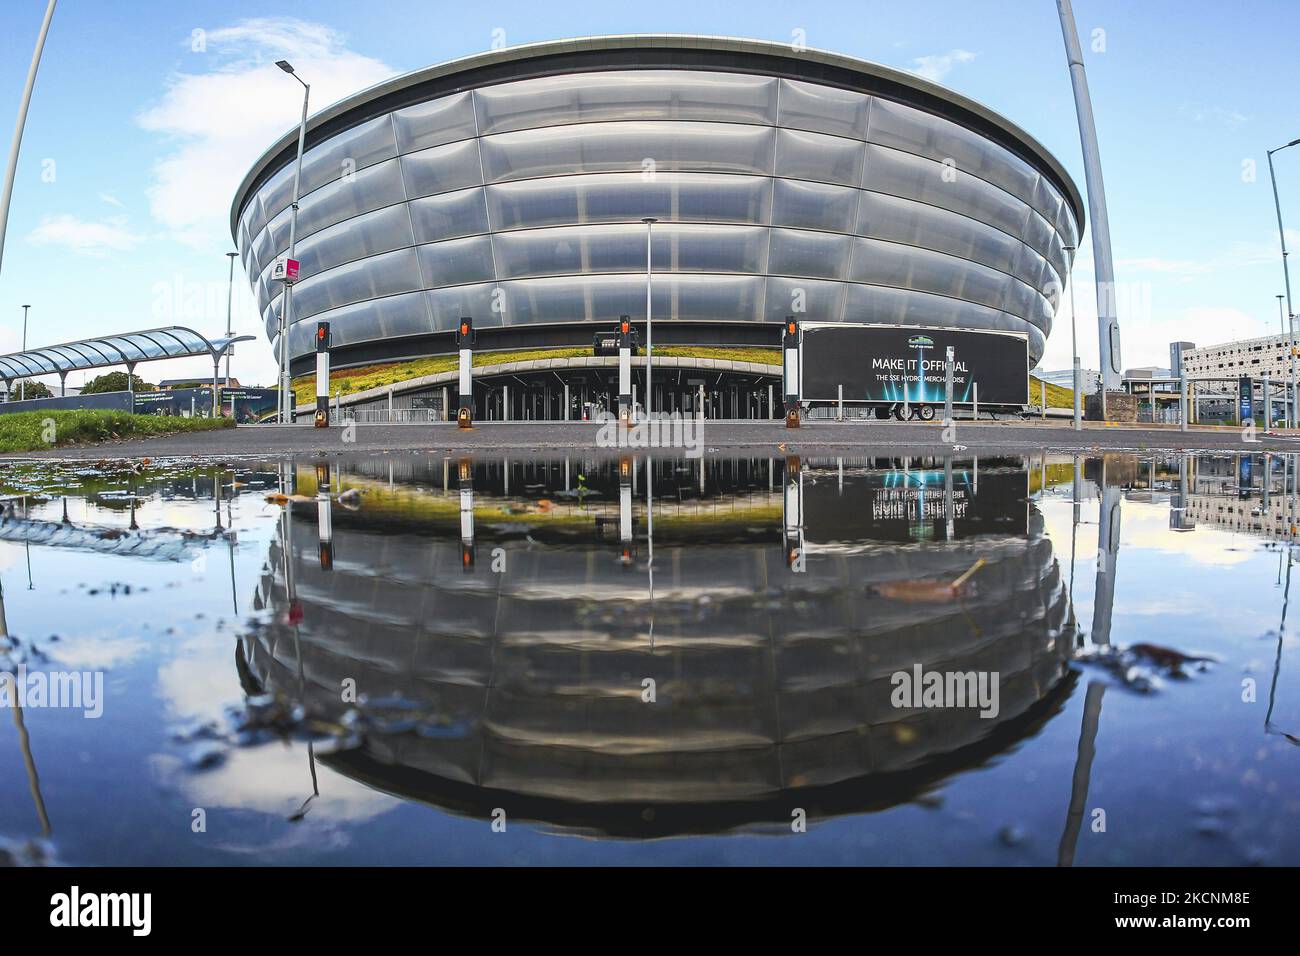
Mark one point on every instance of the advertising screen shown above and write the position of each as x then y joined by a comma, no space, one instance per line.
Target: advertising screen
891,363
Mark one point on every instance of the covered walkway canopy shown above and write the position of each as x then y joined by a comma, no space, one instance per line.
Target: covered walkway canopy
129,349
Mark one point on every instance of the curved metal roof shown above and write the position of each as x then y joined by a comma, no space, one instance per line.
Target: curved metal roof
128,348
681,51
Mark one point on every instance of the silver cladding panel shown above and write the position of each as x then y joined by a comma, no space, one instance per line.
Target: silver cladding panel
520,203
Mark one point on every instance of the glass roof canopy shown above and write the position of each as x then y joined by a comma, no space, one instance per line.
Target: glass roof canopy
129,348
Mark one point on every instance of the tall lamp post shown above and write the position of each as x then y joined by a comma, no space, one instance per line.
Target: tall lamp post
1286,275
230,295
1074,347
285,317
649,319
12,169
22,382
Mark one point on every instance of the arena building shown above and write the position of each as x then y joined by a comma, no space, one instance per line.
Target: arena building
511,186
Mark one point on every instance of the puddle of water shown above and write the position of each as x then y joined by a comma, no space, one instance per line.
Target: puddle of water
417,659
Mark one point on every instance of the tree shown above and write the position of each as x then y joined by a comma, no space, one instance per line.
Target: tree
115,382
29,389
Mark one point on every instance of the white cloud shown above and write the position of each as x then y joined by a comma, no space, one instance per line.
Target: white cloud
222,119
84,237
938,65
111,200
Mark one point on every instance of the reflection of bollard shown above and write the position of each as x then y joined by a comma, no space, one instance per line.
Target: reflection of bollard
465,472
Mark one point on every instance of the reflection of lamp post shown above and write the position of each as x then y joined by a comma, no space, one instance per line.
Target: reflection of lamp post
1286,275
285,317
649,319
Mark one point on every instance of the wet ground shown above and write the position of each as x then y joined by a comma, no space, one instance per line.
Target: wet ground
752,438
416,658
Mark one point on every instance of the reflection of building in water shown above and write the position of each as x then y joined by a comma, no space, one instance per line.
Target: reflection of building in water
1247,494
524,689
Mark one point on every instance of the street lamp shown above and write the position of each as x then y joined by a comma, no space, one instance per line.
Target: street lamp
285,309
230,294
22,382
649,319
1074,345
1286,275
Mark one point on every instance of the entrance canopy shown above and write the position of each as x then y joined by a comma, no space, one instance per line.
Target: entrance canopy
129,349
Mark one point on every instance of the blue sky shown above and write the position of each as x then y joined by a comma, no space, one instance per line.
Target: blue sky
136,141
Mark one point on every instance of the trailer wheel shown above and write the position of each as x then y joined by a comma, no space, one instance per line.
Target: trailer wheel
925,413
898,412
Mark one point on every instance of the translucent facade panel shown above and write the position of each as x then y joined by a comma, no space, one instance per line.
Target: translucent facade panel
444,120
449,216
377,232
446,306
627,197
457,261
622,248
276,195
371,189
618,95
263,253
907,267
866,303
824,109
626,147
1019,299
1049,202
389,274
916,224
902,174
902,127
814,206
815,254
1038,234
279,230
823,301
442,169
597,298
393,316
349,151
828,159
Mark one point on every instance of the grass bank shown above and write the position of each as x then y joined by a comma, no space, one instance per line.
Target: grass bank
347,381
32,431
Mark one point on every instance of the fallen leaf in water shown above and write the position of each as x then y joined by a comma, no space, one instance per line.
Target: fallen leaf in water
929,591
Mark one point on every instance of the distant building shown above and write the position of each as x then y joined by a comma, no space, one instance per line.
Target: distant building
169,384
1176,350
1245,357
1090,379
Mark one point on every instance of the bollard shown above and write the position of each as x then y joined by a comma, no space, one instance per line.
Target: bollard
465,387
624,371
322,419
790,368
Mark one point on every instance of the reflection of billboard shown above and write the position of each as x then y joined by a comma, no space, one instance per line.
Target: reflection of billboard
887,363
914,504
